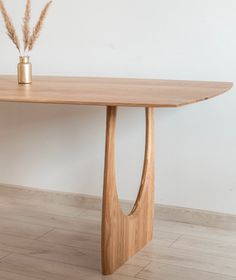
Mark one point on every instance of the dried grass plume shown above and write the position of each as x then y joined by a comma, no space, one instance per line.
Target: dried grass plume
11,32
28,38
38,27
26,25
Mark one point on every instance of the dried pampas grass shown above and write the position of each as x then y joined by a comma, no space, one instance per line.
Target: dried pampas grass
11,32
26,25
28,39
39,25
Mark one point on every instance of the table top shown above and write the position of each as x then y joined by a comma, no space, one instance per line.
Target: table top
109,91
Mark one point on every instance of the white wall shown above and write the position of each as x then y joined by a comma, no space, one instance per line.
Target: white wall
62,147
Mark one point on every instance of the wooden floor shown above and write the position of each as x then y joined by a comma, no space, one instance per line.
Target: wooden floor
60,242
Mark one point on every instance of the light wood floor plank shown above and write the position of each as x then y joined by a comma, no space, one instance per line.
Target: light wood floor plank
53,243
157,271
11,206
81,257
3,254
196,230
53,221
190,259
129,270
30,267
74,238
44,269
6,275
164,239
207,245
14,227
52,252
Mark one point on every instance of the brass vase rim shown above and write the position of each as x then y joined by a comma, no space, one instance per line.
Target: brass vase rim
24,59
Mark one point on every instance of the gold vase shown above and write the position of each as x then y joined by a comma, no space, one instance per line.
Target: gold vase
24,70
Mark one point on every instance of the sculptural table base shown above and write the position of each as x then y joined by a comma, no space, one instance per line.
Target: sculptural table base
124,235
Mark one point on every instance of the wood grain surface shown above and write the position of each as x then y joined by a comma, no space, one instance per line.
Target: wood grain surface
109,91
124,235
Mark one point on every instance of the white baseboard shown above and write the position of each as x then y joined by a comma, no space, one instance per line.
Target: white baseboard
162,212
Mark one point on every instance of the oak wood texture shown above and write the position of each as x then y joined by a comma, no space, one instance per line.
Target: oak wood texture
124,235
109,91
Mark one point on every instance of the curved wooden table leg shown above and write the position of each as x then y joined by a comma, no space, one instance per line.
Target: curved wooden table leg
124,235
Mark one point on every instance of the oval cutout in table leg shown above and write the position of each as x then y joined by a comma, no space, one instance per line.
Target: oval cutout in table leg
129,154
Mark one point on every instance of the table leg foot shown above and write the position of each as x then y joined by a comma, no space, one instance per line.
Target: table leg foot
124,235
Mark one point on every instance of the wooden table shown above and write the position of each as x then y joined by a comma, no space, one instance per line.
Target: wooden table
122,235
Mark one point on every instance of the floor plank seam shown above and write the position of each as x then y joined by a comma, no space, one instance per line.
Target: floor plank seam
41,236
4,257
178,238
143,268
